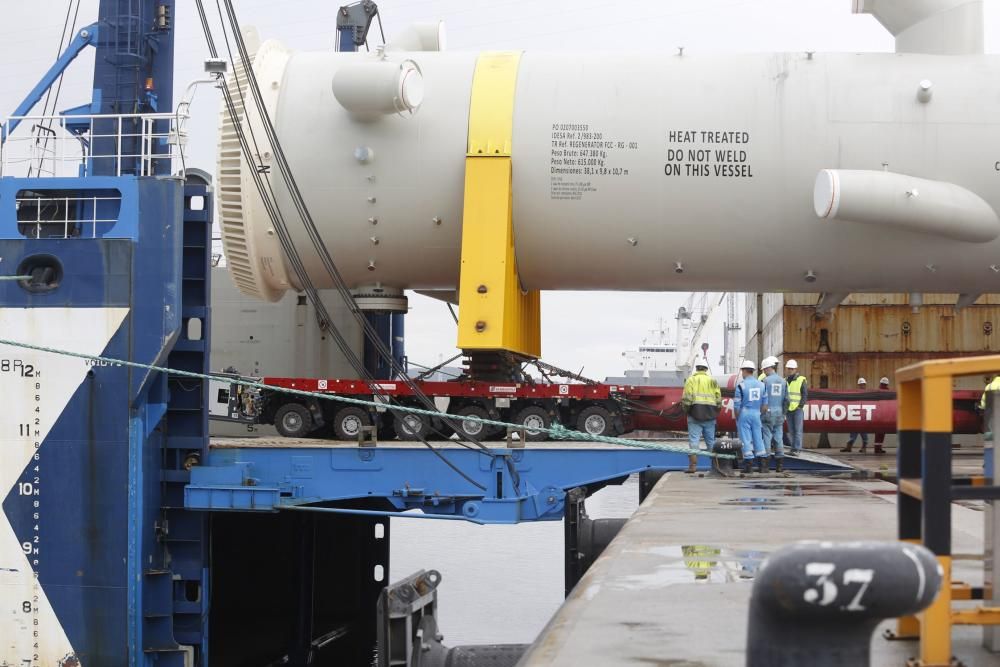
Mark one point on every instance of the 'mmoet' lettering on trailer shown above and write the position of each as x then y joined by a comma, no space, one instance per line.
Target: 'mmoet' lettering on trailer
838,412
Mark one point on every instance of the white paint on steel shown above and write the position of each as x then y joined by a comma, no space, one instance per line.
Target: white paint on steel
426,36
253,253
826,193
42,396
924,91
885,199
374,88
686,154
944,27
409,194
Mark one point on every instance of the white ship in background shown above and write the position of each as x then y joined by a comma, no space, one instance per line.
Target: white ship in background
667,356
657,352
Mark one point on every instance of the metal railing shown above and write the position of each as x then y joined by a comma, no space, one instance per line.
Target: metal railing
65,217
926,492
111,144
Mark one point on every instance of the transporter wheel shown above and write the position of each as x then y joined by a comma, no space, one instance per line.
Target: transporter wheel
348,422
595,420
533,418
410,426
467,428
293,420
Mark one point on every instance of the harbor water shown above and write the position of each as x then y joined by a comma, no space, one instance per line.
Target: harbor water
500,584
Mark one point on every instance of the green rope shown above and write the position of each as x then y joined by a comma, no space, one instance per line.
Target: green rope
556,430
15,277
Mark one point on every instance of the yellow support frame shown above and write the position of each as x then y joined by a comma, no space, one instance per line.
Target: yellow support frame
925,410
495,313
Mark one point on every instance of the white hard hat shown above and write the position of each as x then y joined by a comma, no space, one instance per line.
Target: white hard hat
862,381
749,365
768,362
791,363
884,380
701,363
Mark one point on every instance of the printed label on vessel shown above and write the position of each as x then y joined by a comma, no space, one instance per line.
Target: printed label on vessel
708,154
581,156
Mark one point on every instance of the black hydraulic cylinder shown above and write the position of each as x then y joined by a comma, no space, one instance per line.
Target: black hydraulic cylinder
817,603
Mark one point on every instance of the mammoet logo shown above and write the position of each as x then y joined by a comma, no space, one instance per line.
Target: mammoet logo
838,412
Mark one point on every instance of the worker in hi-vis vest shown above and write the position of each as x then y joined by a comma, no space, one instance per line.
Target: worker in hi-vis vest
986,407
701,400
798,394
748,399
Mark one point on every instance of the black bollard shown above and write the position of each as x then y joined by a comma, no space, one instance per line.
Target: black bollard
727,467
817,603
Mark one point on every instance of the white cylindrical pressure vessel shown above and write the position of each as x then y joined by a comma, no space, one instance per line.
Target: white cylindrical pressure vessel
626,167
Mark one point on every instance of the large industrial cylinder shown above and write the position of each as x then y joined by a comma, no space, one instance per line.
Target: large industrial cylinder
633,171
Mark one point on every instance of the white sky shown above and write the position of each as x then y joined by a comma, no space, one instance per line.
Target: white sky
588,330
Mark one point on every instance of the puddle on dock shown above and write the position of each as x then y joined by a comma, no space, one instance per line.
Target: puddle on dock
796,489
756,503
691,564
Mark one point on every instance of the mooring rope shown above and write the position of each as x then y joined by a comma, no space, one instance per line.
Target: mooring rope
556,430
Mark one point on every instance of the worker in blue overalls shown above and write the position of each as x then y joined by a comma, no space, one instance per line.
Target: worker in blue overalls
775,407
748,399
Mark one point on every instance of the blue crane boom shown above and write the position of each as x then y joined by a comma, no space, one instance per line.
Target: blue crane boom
85,37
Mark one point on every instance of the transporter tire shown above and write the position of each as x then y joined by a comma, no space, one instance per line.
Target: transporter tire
468,429
410,426
348,422
595,420
537,417
293,420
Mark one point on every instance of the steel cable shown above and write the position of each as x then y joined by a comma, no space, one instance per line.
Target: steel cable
556,430
318,244
269,201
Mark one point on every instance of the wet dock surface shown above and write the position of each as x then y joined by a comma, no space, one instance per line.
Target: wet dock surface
673,588
967,461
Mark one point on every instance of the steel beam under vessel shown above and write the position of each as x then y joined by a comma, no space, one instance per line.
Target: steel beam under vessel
647,167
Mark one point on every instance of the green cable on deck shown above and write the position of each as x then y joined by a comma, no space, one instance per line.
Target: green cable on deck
556,430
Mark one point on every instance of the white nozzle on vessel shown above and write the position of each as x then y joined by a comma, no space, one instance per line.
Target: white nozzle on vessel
882,198
942,27
379,88
419,37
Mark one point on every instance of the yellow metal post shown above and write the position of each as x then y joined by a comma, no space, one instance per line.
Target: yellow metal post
936,425
909,507
925,425
495,313
976,616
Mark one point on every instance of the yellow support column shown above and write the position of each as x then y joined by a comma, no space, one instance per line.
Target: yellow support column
495,314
